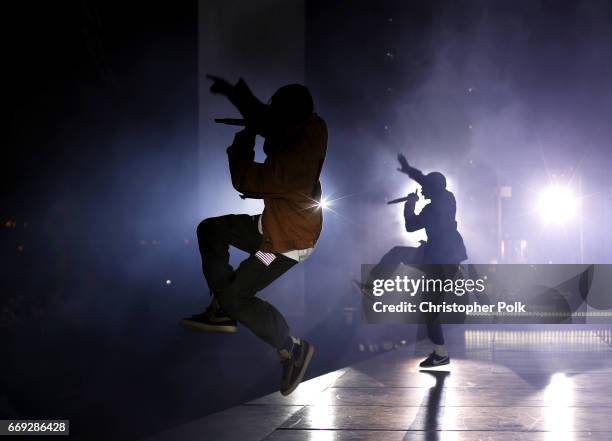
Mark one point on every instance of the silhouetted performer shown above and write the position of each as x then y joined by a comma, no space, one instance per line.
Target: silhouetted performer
441,253
283,235
444,249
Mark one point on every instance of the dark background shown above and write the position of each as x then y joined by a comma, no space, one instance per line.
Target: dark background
100,177
100,203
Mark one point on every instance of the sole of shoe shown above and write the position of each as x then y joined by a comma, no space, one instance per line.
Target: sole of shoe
435,365
204,327
302,372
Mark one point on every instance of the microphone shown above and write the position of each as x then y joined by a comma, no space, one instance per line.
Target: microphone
404,199
397,201
231,121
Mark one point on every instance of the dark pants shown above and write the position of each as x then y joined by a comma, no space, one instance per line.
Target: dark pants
235,290
415,257
432,320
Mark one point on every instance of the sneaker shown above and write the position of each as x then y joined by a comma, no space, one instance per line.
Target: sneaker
295,365
434,360
213,319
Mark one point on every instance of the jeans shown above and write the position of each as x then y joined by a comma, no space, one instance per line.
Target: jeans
236,290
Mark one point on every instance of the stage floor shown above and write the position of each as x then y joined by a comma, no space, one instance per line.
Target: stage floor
500,385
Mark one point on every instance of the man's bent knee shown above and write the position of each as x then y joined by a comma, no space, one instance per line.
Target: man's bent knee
207,227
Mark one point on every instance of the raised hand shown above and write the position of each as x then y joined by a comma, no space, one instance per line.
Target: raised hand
219,85
404,166
412,198
410,204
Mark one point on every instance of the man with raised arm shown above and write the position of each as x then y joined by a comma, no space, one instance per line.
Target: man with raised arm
282,236
444,249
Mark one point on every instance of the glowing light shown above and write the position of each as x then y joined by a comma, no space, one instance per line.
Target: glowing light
557,204
168,282
324,203
559,409
323,415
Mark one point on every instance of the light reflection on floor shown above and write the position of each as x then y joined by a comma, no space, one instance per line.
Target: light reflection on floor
559,400
501,385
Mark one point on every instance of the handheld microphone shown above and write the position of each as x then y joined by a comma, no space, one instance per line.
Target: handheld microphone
231,121
397,201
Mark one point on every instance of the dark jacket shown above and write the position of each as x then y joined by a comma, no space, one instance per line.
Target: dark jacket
288,183
444,243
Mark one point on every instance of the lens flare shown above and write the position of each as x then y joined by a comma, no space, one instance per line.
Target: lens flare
557,204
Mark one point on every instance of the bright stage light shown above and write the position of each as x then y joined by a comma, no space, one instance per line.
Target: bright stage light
557,204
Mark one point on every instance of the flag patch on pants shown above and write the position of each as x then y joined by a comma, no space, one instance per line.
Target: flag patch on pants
266,258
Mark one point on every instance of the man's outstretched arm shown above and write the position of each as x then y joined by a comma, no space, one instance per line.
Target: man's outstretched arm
257,114
406,168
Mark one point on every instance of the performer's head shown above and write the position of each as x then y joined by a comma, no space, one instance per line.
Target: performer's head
434,183
291,105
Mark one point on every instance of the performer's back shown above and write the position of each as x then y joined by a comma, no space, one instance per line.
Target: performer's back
444,243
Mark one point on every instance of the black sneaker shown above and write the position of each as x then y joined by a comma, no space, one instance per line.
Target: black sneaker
434,360
295,365
211,320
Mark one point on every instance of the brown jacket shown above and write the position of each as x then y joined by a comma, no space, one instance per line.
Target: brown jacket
287,181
